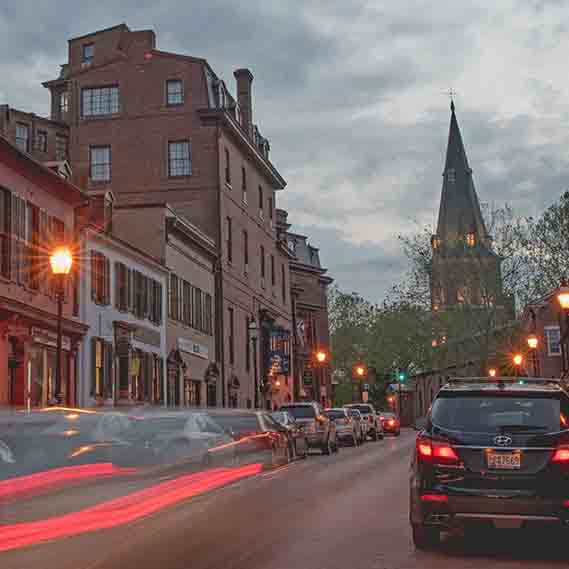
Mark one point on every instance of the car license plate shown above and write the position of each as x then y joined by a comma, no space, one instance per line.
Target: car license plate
504,460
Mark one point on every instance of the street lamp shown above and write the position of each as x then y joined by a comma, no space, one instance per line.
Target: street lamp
61,261
533,342
492,372
254,336
321,356
518,360
563,298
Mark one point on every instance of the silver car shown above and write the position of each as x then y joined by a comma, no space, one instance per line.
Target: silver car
373,420
320,432
346,429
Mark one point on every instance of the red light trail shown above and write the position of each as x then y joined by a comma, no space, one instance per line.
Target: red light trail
121,510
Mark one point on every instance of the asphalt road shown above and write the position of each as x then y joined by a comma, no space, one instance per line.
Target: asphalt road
344,511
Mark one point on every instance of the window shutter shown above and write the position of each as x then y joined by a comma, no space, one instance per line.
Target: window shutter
146,367
107,281
159,318
109,376
44,238
118,285
93,385
94,278
129,291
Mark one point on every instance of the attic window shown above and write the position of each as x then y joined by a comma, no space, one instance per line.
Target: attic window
470,239
88,52
451,175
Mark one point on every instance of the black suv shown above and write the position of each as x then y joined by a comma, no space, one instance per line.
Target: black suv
493,452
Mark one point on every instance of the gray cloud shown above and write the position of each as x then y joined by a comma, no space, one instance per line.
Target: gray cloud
351,95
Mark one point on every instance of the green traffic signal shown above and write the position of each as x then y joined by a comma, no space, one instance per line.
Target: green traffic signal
402,376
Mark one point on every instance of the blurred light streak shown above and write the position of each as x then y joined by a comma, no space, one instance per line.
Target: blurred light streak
122,510
31,483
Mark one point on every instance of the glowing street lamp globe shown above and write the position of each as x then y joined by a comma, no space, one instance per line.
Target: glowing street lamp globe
532,341
61,261
492,372
320,357
563,295
518,359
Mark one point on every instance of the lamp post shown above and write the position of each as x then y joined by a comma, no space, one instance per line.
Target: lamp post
518,360
254,336
563,298
60,260
533,342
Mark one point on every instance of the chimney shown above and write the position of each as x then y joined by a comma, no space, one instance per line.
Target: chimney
244,79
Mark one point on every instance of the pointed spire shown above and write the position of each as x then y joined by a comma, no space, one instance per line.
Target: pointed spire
460,217
452,105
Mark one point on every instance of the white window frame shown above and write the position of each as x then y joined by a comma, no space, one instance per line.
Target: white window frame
547,329
107,176
177,94
179,158
100,101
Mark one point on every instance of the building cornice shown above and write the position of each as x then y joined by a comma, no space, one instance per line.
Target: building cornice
223,118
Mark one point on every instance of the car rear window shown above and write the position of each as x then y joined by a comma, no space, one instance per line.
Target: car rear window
237,423
301,411
363,408
500,412
335,414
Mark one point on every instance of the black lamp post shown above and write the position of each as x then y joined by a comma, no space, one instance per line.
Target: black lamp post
533,342
254,336
60,260
563,298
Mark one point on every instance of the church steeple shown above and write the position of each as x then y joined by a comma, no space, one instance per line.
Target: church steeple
460,219
464,268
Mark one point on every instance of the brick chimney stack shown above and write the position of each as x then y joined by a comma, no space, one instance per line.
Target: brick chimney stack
244,79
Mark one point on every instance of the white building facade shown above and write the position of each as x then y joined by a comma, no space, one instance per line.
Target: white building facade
123,299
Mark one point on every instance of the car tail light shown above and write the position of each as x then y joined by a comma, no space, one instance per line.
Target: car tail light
436,452
391,422
437,498
561,456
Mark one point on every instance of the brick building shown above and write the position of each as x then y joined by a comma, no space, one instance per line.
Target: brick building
546,320
37,212
309,284
154,127
44,139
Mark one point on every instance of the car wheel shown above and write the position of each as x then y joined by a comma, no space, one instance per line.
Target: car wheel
397,433
425,537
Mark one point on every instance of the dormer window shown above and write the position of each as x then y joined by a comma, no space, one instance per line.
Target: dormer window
471,239
451,175
88,53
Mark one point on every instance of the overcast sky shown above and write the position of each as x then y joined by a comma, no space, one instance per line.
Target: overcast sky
352,95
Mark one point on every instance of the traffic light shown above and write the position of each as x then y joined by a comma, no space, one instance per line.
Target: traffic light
401,376
359,371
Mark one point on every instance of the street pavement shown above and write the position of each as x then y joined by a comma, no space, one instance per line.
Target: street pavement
347,511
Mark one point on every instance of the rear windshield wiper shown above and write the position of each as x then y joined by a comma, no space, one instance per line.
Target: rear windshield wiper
523,428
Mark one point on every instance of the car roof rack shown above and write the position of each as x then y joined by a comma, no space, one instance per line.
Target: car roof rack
498,380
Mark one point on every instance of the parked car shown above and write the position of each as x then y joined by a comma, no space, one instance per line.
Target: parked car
390,423
319,430
260,437
492,452
295,432
375,429
360,425
346,429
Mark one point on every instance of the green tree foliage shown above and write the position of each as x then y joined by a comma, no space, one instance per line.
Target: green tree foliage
546,250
